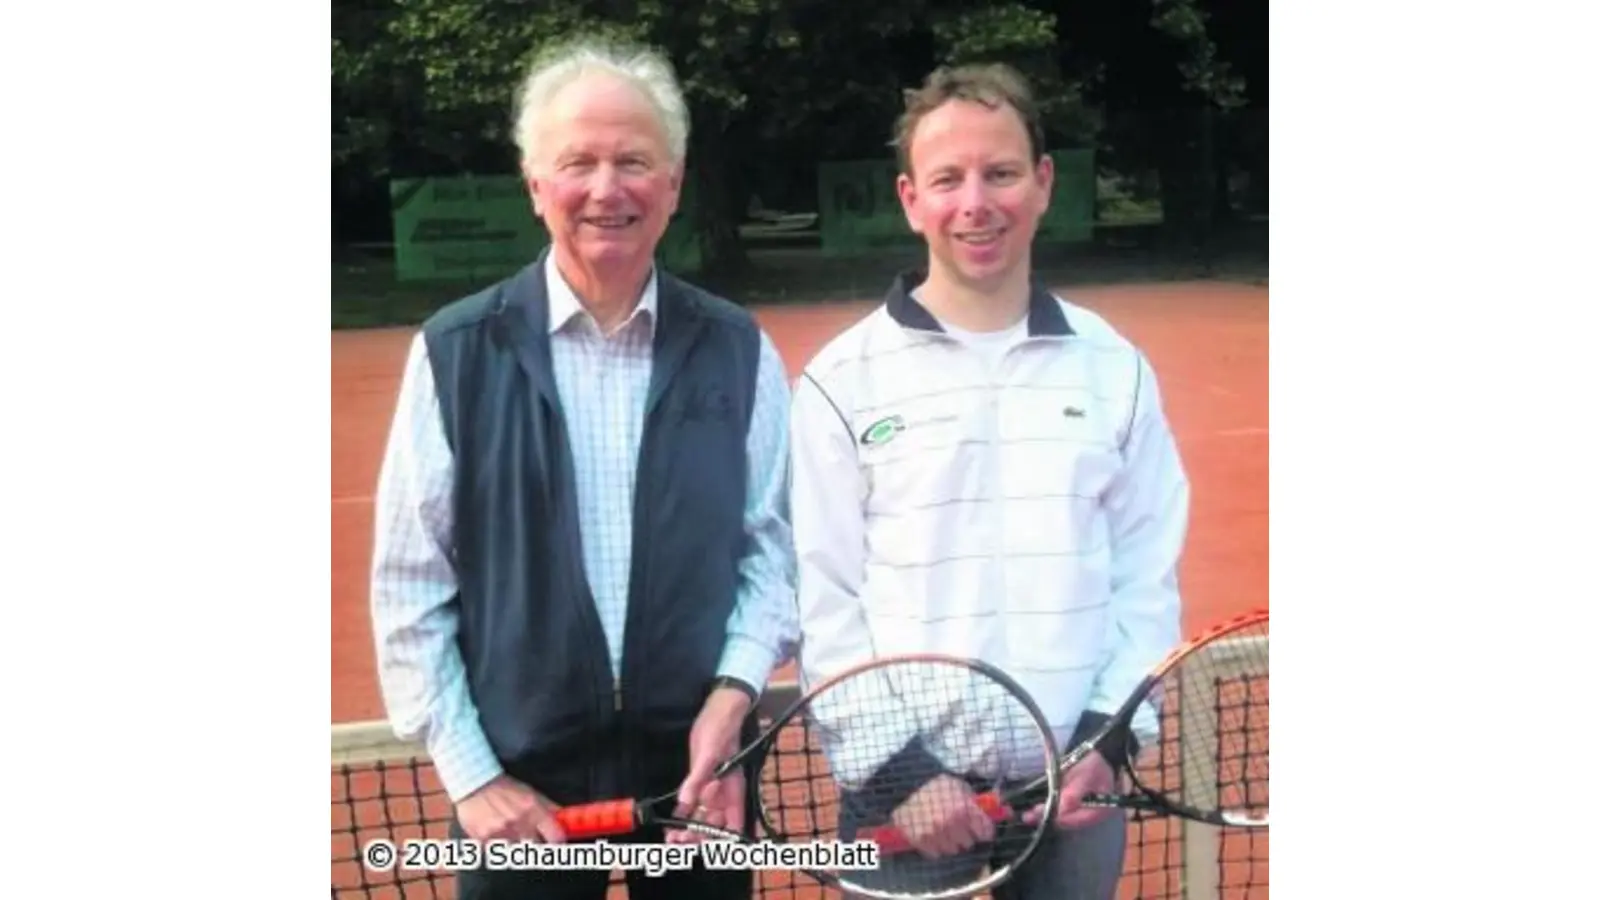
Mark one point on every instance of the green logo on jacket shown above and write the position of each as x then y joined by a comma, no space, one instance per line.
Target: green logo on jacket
883,431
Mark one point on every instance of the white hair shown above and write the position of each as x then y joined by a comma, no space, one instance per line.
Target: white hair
560,65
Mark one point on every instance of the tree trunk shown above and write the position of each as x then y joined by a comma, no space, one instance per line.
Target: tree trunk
720,194
1188,182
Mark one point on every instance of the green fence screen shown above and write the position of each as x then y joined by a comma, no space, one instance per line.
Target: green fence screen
483,227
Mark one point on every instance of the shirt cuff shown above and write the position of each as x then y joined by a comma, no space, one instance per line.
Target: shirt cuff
465,762
1119,744
894,782
747,660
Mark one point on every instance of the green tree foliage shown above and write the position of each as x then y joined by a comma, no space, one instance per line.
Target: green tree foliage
425,87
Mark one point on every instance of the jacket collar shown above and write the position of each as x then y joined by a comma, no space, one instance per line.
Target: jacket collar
544,302
1044,313
523,316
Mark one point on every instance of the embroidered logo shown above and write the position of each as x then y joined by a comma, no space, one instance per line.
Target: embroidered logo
1072,412
883,431
704,403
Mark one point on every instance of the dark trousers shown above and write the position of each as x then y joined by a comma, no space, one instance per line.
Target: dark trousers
644,767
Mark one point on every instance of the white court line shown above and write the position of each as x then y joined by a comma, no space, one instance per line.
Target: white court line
341,501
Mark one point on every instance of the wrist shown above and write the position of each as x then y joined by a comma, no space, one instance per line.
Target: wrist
733,695
747,661
1118,742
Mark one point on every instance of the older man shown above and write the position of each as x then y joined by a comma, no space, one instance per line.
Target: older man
582,576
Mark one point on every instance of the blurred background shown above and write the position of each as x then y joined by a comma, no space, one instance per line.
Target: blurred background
1156,112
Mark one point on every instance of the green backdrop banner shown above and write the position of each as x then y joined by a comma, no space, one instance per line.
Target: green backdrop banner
861,213
483,227
1070,218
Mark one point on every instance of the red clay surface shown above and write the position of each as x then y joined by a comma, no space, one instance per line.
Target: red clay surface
1208,343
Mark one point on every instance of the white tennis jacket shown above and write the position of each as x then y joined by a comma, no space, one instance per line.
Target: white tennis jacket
1031,516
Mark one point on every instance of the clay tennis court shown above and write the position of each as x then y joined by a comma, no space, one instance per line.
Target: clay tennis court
1207,341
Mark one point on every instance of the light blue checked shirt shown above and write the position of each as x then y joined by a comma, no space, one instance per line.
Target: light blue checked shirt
603,383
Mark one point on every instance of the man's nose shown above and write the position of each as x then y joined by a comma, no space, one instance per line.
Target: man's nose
974,198
605,182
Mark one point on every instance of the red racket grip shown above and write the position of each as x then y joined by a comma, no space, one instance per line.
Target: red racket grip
890,840
597,819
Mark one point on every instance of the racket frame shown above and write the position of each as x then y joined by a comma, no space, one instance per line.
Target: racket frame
642,813
1050,780
1146,798
1045,790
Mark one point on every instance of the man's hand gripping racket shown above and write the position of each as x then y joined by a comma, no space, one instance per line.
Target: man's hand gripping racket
910,741
1210,764
951,770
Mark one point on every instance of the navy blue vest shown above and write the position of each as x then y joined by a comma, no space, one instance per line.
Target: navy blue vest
536,658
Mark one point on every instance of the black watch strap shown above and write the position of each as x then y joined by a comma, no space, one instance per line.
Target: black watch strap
722,681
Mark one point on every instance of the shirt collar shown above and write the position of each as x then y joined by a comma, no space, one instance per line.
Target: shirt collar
1044,313
564,303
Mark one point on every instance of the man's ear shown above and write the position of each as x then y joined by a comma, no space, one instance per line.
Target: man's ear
1045,176
906,189
535,187
677,174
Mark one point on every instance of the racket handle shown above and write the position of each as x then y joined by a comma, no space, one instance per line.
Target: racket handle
890,840
597,819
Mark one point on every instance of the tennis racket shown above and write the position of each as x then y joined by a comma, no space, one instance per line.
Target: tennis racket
1210,762
838,767
879,726
1208,702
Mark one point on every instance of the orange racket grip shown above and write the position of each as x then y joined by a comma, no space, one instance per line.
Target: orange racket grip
597,819
890,840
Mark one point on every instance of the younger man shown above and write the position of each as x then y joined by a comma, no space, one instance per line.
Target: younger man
984,469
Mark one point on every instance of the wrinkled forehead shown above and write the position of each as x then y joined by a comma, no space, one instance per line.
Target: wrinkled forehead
600,113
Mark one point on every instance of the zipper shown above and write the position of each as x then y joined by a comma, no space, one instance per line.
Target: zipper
996,384
997,390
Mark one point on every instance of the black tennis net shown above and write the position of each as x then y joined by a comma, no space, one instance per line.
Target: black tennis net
383,788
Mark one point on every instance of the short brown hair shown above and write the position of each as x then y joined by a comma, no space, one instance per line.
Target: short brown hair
992,85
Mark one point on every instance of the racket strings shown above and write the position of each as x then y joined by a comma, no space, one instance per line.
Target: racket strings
1212,755
909,746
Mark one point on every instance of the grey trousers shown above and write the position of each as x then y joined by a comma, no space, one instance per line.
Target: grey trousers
1076,864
